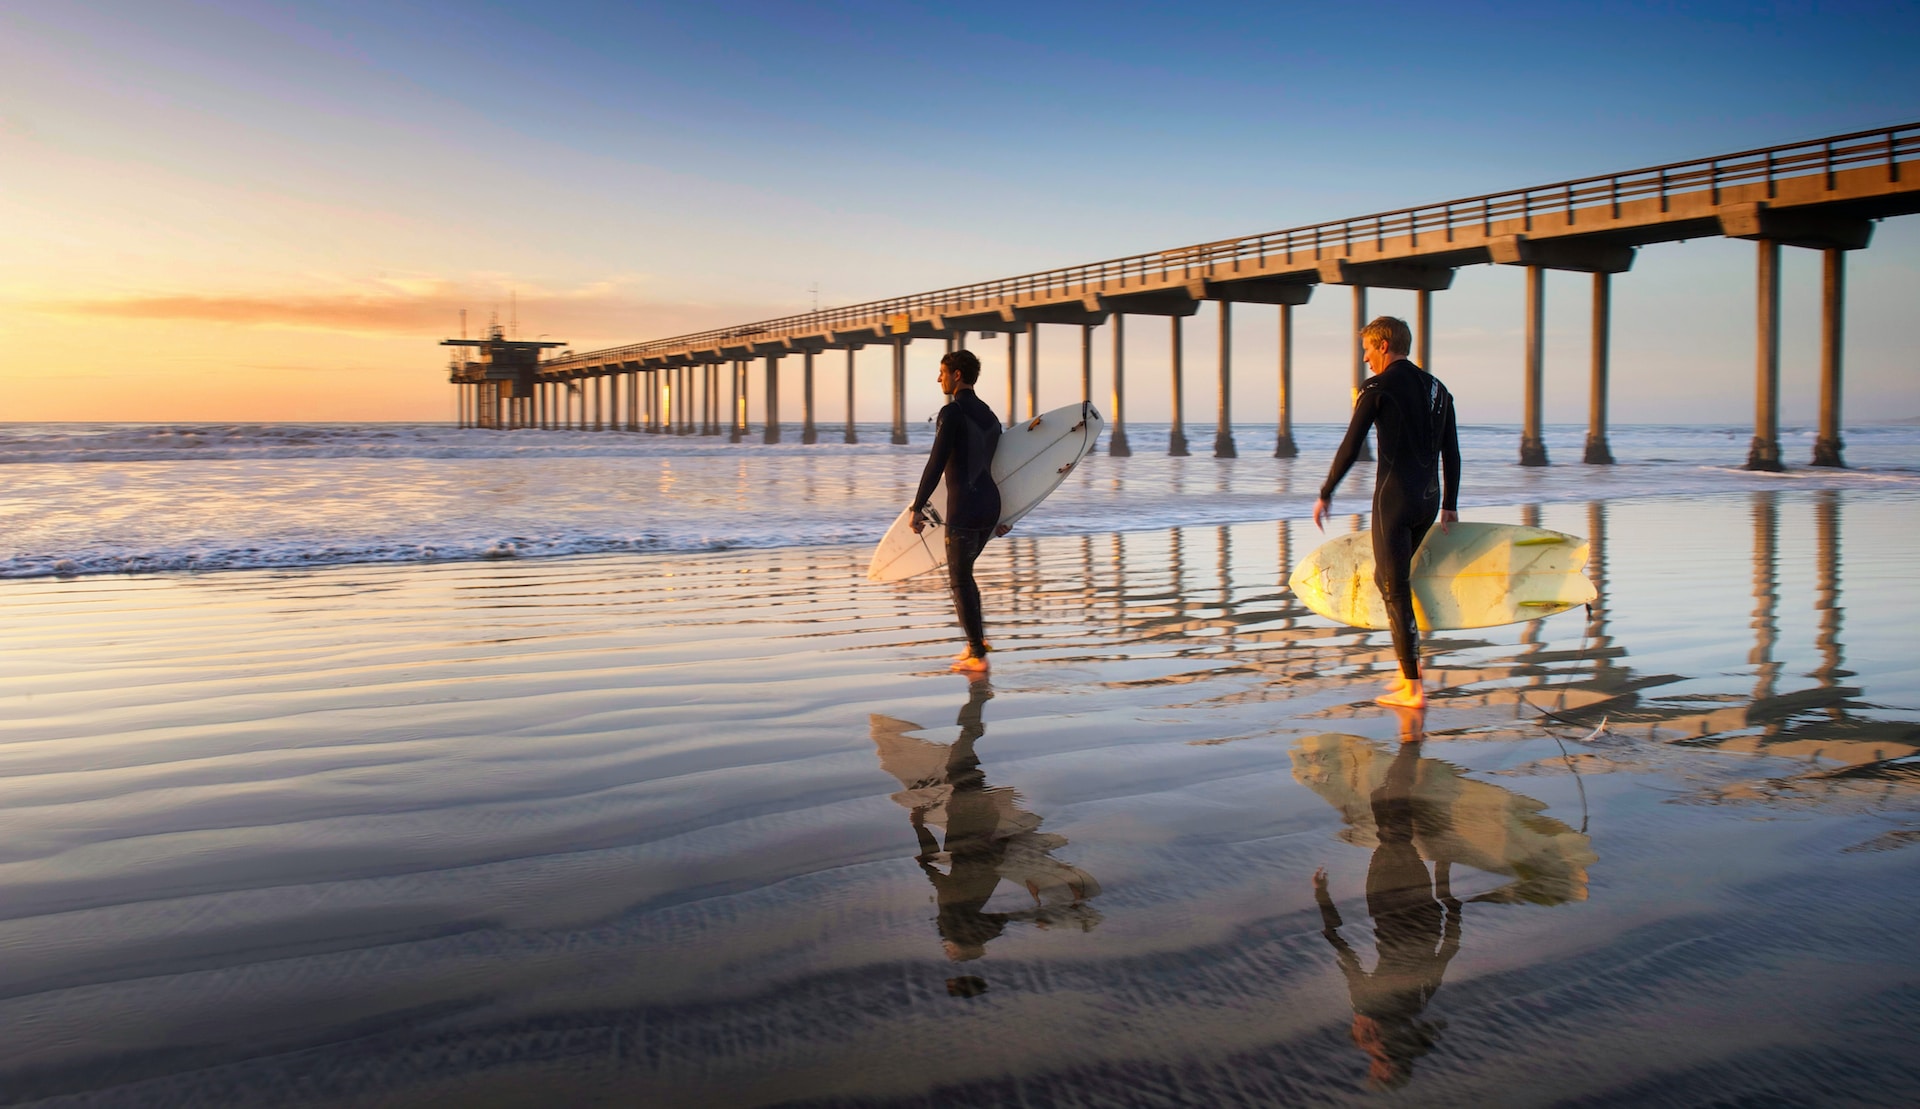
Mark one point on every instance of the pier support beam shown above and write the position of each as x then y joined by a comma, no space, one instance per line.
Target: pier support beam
1764,454
1033,371
1013,378
1086,362
1117,438
1283,444
1824,231
1360,361
1833,296
772,432
737,403
599,402
1598,452
1177,434
1223,426
1578,256
1533,444
851,436
899,435
807,432
1423,329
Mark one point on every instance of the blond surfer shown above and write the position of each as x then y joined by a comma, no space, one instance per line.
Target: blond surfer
1416,481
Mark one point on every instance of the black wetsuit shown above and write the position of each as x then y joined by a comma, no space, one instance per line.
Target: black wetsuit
964,440
1418,447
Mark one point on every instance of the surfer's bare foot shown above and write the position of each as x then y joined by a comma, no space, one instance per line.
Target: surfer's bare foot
971,664
1404,693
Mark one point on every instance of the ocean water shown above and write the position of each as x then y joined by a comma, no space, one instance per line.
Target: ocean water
720,829
82,499
436,817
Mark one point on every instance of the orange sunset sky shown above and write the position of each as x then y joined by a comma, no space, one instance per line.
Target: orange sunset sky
245,211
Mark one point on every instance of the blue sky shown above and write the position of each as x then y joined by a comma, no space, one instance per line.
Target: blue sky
293,192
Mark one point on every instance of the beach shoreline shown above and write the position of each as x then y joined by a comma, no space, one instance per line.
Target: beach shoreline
644,825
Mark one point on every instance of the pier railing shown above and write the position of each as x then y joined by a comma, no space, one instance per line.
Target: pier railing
1534,206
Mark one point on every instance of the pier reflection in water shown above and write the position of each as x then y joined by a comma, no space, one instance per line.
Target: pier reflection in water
1209,605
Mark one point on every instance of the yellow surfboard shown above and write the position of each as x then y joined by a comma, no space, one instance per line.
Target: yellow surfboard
1473,576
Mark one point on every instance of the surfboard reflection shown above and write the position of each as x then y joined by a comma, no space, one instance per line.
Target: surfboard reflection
1414,811
987,837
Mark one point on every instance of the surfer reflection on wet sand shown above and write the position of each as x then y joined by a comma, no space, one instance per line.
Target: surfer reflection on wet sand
988,838
1415,810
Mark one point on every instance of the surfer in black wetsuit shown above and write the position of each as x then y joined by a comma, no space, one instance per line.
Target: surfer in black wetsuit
1419,446
964,440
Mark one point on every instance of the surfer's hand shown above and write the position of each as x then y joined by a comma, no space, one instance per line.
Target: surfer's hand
918,523
1448,518
1001,529
1320,510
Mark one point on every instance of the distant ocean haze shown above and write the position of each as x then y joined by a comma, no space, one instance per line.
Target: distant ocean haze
115,498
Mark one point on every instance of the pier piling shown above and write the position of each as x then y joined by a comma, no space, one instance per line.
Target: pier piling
1223,427
1117,438
1283,444
1177,434
1533,444
1826,444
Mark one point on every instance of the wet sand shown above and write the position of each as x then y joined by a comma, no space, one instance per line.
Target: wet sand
721,829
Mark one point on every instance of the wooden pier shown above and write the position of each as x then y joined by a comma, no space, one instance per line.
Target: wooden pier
1821,195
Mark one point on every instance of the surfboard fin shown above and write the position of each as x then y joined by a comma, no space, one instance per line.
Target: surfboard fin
1540,540
1035,423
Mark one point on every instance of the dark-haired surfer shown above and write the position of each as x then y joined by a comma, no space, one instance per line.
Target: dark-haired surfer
964,440
1418,446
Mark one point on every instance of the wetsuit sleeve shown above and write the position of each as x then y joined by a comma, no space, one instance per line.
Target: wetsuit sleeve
937,459
1450,462
1365,408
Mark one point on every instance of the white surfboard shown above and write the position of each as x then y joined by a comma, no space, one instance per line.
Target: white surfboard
1473,576
1033,458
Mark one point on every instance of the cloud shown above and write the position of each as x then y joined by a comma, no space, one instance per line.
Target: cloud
425,307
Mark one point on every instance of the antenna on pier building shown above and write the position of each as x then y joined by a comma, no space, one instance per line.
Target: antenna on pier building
815,290
463,323
513,313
